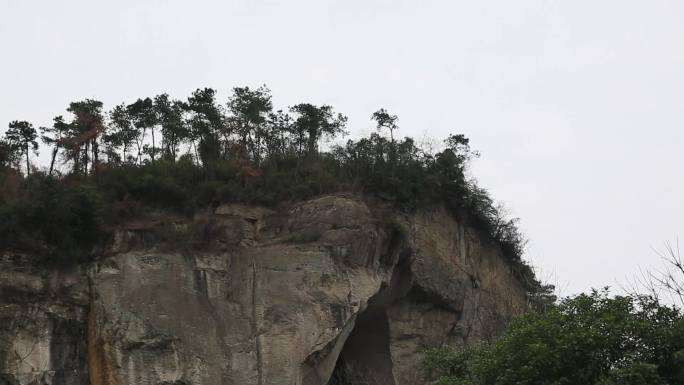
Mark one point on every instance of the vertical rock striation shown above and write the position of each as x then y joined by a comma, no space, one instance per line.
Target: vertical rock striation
319,292
42,324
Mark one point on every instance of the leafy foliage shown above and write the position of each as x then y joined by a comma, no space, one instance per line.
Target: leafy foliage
52,218
21,140
385,120
587,339
163,153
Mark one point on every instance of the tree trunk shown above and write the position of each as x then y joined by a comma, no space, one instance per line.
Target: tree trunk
137,159
152,153
139,143
28,165
96,157
77,160
85,158
197,158
52,160
311,144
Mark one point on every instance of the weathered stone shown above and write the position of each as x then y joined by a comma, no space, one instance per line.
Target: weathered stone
42,323
321,291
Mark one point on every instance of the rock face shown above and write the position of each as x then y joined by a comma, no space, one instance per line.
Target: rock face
321,292
42,324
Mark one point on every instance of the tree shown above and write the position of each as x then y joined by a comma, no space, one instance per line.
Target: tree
8,154
22,135
86,126
385,121
122,133
590,339
53,136
170,117
249,110
666,283
144,117
460,146
279,127
206,124
313,122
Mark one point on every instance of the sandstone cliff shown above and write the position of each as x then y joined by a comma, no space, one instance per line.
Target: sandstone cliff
323,291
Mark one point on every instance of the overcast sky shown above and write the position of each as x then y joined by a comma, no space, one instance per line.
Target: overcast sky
576,106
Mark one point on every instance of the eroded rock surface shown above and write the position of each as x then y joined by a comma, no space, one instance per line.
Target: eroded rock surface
319,292
42,324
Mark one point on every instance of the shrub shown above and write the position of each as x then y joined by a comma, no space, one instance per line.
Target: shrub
68,215
589,339
61,222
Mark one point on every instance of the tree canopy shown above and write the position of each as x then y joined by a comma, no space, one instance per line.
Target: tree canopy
21,140
591,339
159,152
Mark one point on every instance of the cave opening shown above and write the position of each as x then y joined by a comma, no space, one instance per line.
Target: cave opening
365,358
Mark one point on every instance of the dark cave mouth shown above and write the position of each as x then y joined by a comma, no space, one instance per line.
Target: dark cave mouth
365,358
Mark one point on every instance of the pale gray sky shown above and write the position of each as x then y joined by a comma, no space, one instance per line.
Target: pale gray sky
577,106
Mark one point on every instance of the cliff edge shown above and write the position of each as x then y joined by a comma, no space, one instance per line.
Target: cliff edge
333,290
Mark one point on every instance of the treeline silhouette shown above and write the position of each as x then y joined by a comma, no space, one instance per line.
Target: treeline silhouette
163,153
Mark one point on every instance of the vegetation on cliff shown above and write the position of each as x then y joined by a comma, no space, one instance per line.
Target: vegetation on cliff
163,153
589,339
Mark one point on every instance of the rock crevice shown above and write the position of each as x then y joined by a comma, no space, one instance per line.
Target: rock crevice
321,292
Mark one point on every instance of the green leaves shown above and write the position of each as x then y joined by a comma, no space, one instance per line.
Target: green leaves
62,223
314,122
634,374
385,120
20,141
243,151
588,339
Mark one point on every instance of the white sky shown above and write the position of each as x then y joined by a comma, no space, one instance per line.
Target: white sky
576,106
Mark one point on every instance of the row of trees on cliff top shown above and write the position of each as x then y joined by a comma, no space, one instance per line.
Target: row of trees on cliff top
149,129
245,134
166,153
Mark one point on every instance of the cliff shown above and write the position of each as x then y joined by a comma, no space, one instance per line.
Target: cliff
334,290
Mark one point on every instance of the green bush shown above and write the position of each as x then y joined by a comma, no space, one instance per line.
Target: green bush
165,154
61,222
590,339
69,215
